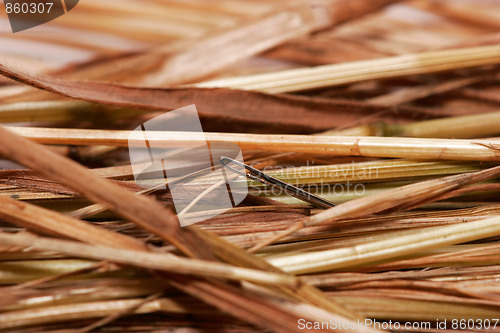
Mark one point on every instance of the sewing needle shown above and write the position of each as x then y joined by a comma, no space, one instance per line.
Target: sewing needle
263,178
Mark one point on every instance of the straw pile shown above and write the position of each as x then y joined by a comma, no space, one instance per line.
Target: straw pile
390,109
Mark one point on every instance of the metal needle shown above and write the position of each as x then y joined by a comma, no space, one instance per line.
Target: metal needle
263,178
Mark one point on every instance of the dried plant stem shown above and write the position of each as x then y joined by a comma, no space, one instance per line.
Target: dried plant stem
475,150
238,257
47,221
411,94
114,316
29,270
47,279
335,196
481,125
200,196
440,274
365,171
95,209
386,249
61,111
417,310
163,262
464,127
355,172
331,75
88,290
94,310
478,255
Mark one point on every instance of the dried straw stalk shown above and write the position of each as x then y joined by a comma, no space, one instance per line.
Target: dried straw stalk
412,148
163,262
400,246
337,74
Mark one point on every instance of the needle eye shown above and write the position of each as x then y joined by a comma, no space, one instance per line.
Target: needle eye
263,178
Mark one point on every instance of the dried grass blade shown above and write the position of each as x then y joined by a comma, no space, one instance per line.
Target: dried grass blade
298,112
